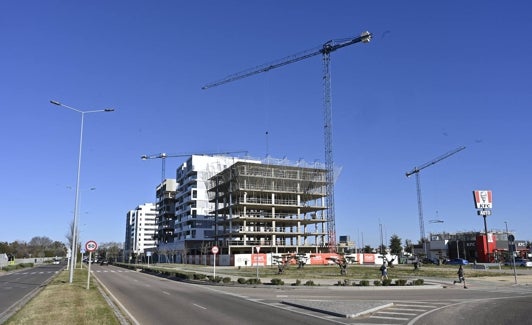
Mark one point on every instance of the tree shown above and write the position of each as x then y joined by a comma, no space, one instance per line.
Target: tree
5,248
20,249
39,245
395,245
69,238
408,246
110,250
367,249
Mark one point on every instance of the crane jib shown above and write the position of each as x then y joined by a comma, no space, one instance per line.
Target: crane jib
325,50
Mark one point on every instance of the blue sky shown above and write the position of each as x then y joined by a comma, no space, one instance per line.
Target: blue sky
437,75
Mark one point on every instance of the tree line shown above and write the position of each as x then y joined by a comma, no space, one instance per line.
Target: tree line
36,247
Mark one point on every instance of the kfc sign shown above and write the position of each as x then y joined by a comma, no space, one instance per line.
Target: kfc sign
483,199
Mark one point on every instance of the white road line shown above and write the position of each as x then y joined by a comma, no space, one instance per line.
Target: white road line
200,306
414,305
394,318
166,293
407,309
395,313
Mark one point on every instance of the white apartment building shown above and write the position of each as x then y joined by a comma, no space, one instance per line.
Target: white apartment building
141,228
194,226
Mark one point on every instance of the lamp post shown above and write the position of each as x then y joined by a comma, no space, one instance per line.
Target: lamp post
75,225
510,239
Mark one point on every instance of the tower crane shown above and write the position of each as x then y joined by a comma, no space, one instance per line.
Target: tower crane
164,155
325,50
416,171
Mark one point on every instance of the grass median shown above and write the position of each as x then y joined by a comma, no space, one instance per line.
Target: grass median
330,272
61,302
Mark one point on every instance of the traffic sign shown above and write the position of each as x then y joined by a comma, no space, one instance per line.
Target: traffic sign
91,246
214,249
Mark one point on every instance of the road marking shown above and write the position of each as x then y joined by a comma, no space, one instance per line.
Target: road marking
166,293
407,309
385,317
395,313
200,306
414,305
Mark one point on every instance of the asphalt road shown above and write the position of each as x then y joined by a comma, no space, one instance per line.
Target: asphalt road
18,287
505,310
152,300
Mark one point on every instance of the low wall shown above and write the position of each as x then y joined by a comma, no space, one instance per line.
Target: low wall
267,259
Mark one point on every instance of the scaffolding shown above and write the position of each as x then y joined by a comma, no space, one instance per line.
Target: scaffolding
278,206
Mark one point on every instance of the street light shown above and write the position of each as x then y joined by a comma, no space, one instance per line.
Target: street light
75,226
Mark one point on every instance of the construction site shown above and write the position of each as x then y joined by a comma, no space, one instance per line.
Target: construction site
278,208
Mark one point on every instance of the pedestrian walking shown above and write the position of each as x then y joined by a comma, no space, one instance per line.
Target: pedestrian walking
384,272
461,277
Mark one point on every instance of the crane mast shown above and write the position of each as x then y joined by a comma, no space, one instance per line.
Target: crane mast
416,171
325,50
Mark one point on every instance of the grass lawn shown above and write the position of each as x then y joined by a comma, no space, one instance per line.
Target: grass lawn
61,302
358,272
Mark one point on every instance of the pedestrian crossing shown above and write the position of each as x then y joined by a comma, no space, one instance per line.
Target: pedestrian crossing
113,271
401,312
37,272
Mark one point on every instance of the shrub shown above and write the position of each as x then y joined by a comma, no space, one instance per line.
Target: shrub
400,282
310,283
343,283
226,279
386,282
253,281
199,276
277,281
363,283
297,283
183,276
377,283
418,282
241,280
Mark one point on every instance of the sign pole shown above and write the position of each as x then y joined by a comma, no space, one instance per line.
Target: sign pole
89,272
484,204
487,242
257,261
90,246
214,251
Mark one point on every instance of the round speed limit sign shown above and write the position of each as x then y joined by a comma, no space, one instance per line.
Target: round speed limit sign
214,249
91,246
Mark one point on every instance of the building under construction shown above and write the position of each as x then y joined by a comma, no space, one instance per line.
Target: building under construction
276,206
